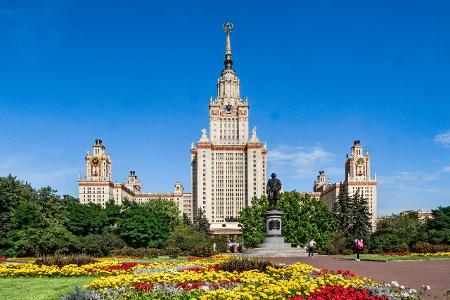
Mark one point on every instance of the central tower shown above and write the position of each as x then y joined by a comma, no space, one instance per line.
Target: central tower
228,168
228,113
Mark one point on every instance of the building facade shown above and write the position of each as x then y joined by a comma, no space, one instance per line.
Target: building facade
357,179
97,186
228,167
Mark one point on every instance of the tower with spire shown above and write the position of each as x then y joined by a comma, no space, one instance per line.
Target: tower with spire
228,166
357,179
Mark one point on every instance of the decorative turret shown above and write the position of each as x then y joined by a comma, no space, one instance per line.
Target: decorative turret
133,182
357,165
321,182
98,165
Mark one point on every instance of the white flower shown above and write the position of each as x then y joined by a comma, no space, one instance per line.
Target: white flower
402,287
395,283
204,287
413,291
426,287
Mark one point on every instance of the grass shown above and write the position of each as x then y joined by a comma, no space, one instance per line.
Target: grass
28,288
376,257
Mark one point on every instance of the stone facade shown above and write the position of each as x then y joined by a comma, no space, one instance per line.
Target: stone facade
357,178
97,186
228,168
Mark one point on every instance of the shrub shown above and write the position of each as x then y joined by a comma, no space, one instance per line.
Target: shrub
136,252
221,243
400,248
186,238
202,251
101,245
245,264
429,248
173,252
347,252
42,241
61,261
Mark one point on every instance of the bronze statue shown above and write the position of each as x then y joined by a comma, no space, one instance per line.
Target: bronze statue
273,190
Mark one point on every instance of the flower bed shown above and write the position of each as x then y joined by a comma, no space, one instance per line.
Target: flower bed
415,254
212,278
102,267
203,282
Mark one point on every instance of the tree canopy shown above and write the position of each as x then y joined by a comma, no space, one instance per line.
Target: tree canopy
305,218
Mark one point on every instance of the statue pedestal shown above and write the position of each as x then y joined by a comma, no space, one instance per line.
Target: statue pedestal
273,244
273,223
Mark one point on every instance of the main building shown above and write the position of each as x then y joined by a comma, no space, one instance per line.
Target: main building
228,167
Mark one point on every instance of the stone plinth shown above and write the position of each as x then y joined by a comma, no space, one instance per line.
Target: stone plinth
274,244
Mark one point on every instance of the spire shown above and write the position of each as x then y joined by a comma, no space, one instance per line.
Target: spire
228,27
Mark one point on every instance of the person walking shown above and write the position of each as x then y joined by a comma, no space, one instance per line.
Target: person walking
311,247
359,246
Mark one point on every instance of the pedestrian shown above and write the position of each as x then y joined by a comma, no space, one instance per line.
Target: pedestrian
231,246
311,247
359,246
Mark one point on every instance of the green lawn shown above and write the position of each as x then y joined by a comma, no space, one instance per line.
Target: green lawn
29,288
376,257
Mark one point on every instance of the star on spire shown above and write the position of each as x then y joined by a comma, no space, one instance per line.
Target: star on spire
228,27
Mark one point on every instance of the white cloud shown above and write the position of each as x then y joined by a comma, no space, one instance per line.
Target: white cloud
40,172
443,138
413,190
409,176
299,162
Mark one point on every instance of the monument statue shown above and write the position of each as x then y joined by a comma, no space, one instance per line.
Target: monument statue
273,190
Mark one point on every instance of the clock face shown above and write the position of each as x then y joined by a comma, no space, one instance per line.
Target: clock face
360,161
228,107
96,161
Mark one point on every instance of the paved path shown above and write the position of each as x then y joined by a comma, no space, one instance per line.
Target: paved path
414,274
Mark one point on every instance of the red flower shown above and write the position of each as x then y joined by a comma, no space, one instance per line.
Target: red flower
340,293
144,287
125,266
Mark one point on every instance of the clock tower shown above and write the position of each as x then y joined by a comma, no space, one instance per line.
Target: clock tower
98,165
357,166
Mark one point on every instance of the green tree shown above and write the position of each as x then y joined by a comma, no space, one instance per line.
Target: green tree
305,219
394,231
5,216
101,244
253,221
187,220
201,223
343,212
42,241
12,192
361,217
149,224
437,229
186,238
84,219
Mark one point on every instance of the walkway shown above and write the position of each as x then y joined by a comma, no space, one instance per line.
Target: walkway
414,274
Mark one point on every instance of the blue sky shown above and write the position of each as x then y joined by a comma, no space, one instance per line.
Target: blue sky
318,75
